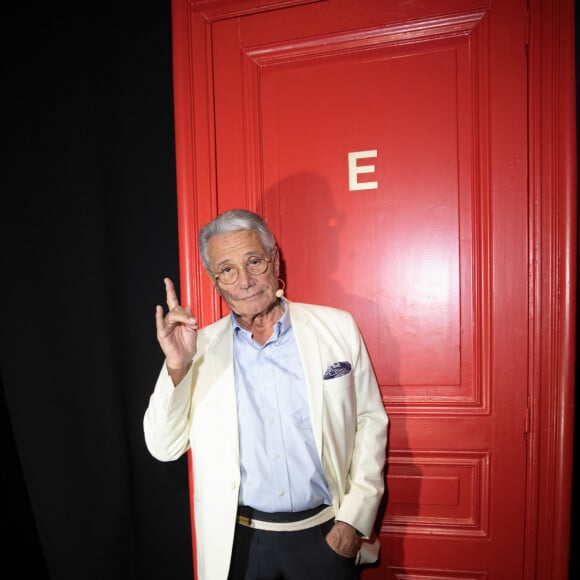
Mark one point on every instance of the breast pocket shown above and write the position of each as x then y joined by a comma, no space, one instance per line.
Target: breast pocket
339,393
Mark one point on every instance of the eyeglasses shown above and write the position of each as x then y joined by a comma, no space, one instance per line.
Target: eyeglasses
230,272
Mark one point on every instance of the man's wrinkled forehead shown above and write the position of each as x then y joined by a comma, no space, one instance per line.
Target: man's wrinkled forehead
235,246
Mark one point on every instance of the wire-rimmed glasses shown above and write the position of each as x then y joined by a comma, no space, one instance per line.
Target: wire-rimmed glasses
255,266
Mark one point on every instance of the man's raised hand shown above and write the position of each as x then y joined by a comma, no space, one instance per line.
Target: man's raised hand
176,333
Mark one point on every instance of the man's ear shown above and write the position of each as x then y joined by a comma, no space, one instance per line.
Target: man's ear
214,281
276,260
216,286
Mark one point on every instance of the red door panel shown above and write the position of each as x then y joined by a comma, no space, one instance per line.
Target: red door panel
386,143
372,152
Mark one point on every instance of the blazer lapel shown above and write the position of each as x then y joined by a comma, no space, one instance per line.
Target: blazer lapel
221,347
309,349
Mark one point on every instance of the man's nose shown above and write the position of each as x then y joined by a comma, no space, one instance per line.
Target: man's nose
245,279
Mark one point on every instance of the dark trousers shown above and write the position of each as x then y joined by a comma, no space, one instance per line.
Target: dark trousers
303,555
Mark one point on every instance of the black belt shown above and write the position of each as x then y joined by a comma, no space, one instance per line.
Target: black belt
284,521
254,514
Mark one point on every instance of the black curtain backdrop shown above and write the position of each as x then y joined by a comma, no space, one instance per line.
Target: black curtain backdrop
88,231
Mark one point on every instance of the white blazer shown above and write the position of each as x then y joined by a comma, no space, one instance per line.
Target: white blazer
348,420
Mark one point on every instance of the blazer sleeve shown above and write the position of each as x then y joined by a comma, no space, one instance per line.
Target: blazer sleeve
166,420
365,477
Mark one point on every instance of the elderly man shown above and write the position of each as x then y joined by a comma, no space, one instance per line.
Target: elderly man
281,409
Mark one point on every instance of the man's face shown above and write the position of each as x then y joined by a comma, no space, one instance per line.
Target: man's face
249,295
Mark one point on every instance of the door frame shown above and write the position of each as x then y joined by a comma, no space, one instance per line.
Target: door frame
552,305
552,240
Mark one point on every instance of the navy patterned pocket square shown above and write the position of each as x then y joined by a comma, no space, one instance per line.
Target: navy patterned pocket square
337,369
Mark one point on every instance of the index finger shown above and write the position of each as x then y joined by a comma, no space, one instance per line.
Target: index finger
172,301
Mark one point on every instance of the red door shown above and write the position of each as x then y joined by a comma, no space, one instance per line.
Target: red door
386,144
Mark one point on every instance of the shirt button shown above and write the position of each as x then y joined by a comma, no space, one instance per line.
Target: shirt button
281,493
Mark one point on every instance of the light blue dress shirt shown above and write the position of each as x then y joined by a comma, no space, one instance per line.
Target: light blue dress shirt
280,468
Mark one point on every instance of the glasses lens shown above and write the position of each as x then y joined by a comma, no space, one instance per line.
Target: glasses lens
257,266
228,275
